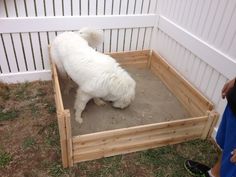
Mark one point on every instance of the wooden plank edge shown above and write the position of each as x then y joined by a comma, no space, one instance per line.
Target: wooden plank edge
108,133
216,116
195,91
133,148
129,54
180,95
132,138
69,137
212,119
60,113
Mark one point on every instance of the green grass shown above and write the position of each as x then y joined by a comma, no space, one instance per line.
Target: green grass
111,165
105,167
169,160
34,110
5,158
51,136
8,115
56,170
51,108
21,91
28,142
4,92
41,92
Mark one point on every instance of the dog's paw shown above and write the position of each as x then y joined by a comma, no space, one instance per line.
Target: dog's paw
79,120
99,102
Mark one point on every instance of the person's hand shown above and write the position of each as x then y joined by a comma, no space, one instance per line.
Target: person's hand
233,158
227,87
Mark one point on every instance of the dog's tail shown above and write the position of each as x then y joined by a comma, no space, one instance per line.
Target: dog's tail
94,37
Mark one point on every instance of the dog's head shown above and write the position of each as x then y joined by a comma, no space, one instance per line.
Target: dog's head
127,97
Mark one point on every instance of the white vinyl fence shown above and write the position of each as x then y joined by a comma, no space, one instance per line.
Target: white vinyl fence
197,37
28,26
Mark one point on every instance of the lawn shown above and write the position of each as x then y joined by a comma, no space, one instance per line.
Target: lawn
29,143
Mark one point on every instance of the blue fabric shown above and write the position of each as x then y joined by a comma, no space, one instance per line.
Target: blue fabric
226,139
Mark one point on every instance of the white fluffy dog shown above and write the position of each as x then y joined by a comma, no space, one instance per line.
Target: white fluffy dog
98,75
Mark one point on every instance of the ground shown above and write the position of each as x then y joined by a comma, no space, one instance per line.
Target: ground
29,143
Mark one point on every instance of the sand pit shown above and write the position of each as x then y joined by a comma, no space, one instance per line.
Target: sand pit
153,103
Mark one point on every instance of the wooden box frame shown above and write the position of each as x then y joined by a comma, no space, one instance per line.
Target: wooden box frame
92,146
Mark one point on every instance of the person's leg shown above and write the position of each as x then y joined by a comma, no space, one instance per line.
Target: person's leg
216,168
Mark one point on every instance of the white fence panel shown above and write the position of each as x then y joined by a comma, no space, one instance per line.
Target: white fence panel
9,49
198,39
210,21
28,26
75,7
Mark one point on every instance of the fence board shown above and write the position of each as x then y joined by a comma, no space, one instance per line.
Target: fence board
113,40
224,24
100,7
19,52
11,9
44,48
106,41
200,74
217,90
152,6
28,51
147,38
2,9
67,7
75,7
3,57
131,7
134,39
229,34
40,8
232,51
37,52
84,8
206,78
21,10
120,44
127,39
140,39
210,18
10,52
93,7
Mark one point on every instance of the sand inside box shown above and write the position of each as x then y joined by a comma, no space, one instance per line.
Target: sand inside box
153,103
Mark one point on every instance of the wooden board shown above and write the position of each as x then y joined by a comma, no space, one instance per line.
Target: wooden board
136,58
126,140
60,116
190,97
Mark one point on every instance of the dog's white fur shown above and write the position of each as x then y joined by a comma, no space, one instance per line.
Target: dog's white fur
98,75
92,36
